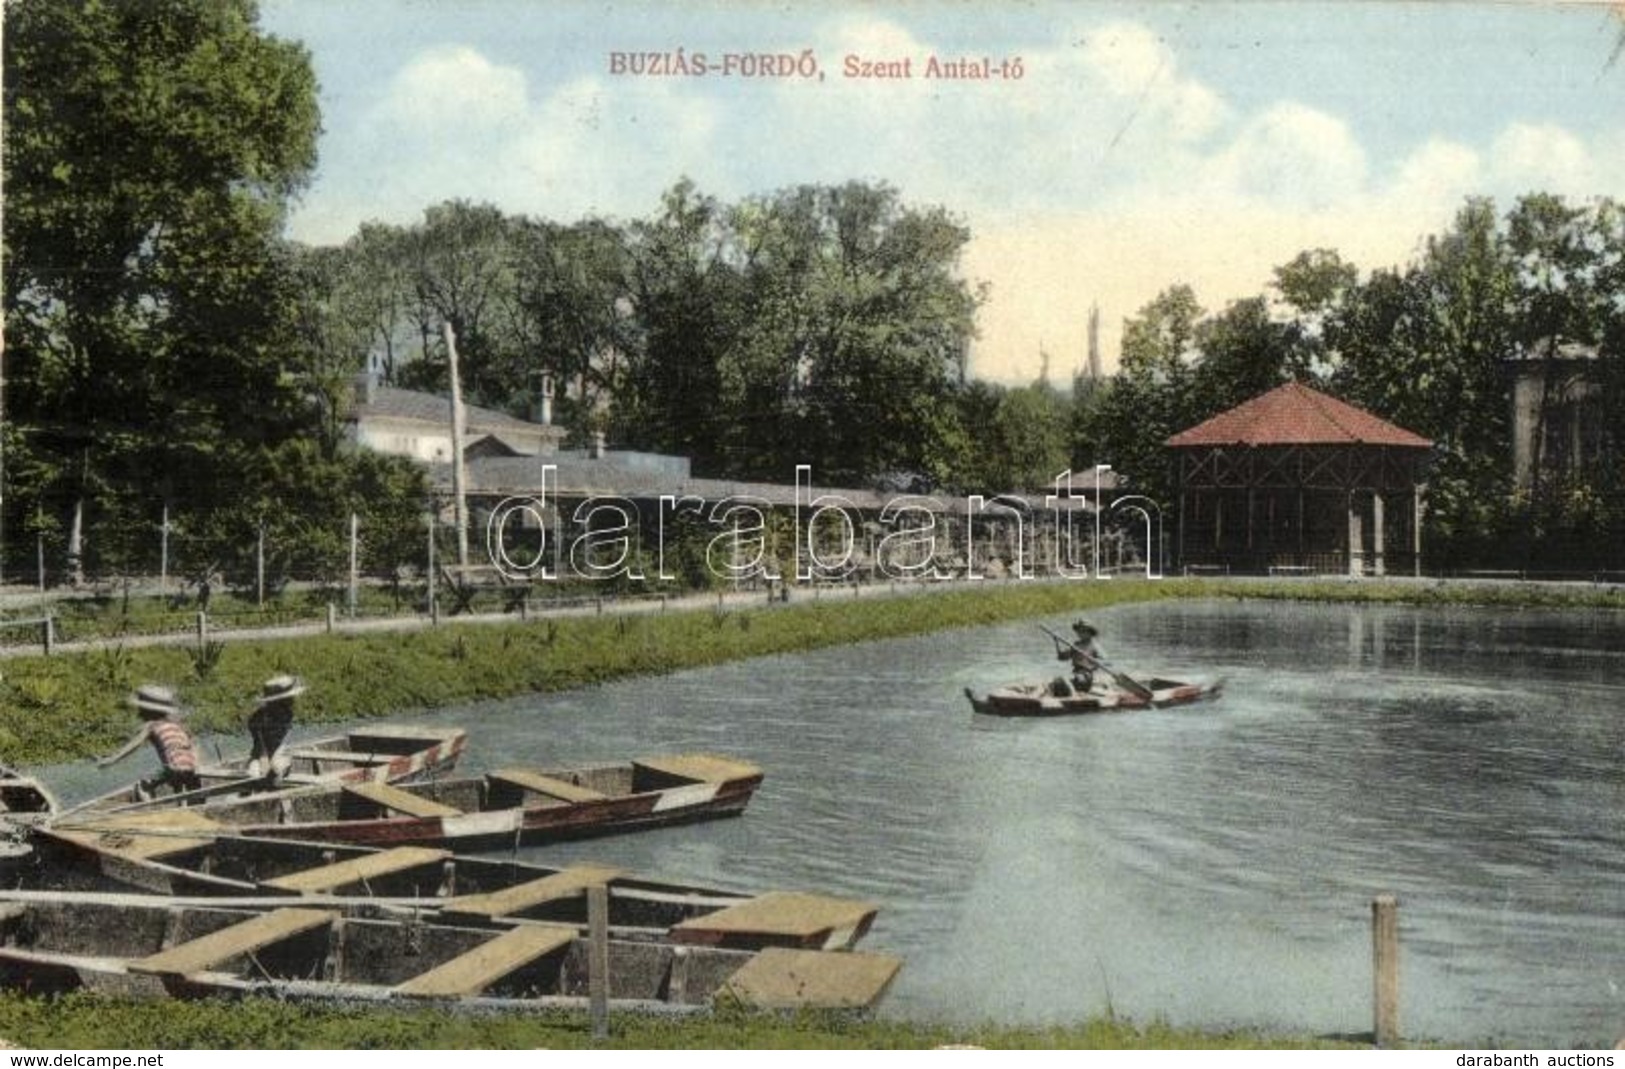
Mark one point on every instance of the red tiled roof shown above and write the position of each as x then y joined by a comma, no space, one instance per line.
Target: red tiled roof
1296,415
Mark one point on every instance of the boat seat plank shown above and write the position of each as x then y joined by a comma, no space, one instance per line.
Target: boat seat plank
392,797
342,873
472,972
780,978
703,767
349,757
195,955
551,786
781,915
566,883
154,834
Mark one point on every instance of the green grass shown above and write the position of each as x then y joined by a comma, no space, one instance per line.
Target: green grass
87,1022
70,706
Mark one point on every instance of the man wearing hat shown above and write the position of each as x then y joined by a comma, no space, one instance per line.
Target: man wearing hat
161,715
269,724
1085,655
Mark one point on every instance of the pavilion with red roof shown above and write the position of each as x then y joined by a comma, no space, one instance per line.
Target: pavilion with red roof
1297,480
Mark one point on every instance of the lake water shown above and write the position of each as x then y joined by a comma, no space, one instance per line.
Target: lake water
1210,866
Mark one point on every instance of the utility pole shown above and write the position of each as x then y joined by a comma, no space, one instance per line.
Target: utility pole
458,491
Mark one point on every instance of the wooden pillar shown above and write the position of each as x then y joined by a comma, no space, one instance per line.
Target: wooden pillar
1354,541
1181,527
598,960
1385,970
1377,535
1300,524
1416,530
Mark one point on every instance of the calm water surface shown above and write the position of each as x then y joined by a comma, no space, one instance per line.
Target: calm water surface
1209,866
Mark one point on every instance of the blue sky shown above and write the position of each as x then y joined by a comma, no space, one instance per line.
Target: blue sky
1146,144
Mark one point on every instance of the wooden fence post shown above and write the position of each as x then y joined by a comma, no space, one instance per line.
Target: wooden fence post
598,959
48,634
202,629
332,617
1385,970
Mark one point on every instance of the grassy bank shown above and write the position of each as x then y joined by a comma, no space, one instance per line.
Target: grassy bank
91,1023
69,706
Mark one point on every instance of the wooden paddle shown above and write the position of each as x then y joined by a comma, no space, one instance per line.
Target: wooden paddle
1122,679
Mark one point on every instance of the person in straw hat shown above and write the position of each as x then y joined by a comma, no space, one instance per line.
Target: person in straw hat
269,724
161,715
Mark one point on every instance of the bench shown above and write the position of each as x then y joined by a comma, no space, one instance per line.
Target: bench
151,835
699,767
348,757
392,797
465,581
793,917
782,979
195,955
551,786
567,883
473,971
324,878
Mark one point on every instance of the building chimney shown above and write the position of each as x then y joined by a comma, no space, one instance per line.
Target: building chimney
366,383
545,413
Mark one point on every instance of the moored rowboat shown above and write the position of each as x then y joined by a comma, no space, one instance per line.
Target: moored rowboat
501,809
376,753
168,858
146,947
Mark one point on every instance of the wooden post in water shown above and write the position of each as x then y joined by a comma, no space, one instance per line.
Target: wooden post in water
1385,970
598,959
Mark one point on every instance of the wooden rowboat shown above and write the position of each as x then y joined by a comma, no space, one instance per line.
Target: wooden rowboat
1060,698
376,753
140,946
165,856
499,810
24,799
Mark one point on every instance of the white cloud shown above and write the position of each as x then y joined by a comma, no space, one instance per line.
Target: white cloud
454,88
1439,170
1128,61
1545,157
1292,155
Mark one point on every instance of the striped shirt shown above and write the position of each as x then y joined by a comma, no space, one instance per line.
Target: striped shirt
174,746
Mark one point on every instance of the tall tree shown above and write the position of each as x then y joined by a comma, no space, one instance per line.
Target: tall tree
150,151
1427,348
685,298
570,312
459,269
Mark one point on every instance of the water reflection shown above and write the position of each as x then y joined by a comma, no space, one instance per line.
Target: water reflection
1209,866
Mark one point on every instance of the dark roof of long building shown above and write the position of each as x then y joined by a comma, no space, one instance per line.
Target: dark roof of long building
1296,415
395,403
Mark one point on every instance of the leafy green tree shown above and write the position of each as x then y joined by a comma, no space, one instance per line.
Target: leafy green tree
460,271
685,299
1126,422
150,151
1027,440
1427,347
818,325
1244,352
571,314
